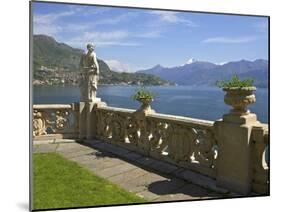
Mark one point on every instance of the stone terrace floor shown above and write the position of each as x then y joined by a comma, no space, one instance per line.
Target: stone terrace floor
151,179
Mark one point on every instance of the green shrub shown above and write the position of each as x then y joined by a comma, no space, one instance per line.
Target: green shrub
235,82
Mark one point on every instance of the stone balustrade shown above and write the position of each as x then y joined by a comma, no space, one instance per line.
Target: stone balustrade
186,142
232,153
55,120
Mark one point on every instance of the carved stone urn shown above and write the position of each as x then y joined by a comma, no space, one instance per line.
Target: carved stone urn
145,104
239,98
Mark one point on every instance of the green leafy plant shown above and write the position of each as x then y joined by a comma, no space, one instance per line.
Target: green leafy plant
235,82
143,93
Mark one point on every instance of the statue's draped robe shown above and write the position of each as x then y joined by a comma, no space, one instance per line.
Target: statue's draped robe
89,78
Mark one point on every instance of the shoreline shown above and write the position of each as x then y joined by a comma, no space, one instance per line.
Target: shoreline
128,85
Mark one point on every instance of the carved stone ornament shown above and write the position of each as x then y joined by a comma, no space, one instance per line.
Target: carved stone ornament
39,124
239,99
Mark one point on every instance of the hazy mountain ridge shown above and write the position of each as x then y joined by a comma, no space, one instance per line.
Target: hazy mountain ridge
206,73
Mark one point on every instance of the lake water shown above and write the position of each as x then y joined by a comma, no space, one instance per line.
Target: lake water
196,102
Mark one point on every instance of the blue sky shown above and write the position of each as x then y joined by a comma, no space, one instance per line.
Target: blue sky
134,39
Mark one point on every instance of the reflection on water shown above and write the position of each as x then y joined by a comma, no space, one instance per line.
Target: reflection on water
197,102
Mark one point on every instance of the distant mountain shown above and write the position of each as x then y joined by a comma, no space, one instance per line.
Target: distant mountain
205,73
49,53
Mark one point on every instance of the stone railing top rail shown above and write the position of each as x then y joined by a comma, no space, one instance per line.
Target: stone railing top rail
53,106
117,109
172,118
264,126
181,119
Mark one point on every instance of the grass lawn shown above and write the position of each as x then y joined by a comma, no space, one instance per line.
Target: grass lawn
60,183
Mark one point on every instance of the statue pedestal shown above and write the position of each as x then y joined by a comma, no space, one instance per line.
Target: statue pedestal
87,118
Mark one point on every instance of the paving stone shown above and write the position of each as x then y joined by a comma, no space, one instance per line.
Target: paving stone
167,186
174,197
83,159
121,168
100,164
111,148
63,140
103,155
133,187
148,195
124,177
195,191
79,152
71,147
39,142
45,148
142,182
188,192
199,179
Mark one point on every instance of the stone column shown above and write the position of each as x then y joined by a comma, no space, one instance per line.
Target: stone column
234,165
82,120
87,118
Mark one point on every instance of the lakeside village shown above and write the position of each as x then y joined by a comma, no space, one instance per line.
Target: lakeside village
63,76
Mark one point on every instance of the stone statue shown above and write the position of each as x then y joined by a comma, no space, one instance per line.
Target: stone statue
89,77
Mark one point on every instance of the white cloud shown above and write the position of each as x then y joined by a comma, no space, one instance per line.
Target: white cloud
46,29
50,17
46,23
118,43
152,34
116,65
92,10
108,38
230,40
80,33
117,19
170,17
173,17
